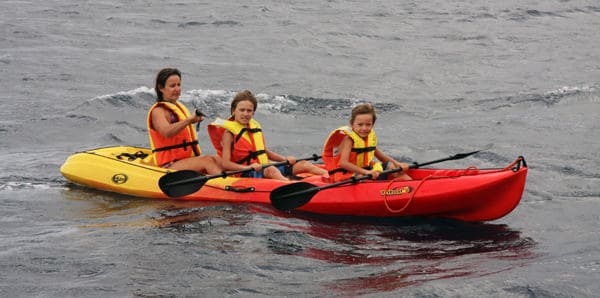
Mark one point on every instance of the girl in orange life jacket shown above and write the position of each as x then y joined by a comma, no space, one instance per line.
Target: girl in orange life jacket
171,130
356,146
239,141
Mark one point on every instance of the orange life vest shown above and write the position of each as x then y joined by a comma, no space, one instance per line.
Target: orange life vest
180,146
248,141
362,154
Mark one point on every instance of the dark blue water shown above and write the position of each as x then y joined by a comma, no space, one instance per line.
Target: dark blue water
517,77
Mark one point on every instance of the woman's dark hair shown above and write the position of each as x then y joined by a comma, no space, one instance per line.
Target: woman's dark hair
161,79
241,96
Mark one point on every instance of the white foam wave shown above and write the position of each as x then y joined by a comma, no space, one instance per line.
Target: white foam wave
223,97
202,95
142,89
207,93
569,95
570,90
275,103
14,185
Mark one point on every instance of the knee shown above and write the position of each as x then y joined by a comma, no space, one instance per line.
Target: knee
216,159
301,164
211,160
272,172
269,171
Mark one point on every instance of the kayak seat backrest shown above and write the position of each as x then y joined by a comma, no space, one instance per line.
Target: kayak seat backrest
149,160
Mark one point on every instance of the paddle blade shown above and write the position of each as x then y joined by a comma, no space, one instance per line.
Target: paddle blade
181,183
463,155
292,196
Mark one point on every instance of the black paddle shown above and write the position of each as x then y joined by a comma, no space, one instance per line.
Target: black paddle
185,182
294,195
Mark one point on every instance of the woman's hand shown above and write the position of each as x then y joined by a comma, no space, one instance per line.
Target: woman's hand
195,119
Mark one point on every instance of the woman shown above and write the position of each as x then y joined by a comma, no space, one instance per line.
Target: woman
240,143
170,127
353,148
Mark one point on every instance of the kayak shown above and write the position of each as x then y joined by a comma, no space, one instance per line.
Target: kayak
470,194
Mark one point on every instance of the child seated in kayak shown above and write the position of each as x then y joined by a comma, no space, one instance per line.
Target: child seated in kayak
349,150
240,142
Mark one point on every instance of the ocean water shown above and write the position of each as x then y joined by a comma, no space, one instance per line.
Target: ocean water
517,77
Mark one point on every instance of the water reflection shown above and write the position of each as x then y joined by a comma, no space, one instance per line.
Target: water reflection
403,252
94,208
352,256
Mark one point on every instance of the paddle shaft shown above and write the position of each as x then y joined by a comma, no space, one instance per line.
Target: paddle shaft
225,174
313,190
453,157
352,180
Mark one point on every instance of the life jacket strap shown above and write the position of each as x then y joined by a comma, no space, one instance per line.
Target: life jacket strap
252,130
363,150
251,155
183,145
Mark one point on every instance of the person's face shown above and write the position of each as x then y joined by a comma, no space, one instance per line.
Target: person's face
244,110
172,89
363,124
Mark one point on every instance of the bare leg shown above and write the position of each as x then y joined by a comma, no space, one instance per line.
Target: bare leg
307,167
202,164
273,173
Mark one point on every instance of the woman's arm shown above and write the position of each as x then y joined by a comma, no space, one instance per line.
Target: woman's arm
160,122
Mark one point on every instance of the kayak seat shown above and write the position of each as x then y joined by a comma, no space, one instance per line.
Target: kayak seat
138,157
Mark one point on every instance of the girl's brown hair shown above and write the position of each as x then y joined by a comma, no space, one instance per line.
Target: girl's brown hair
241,96
361,109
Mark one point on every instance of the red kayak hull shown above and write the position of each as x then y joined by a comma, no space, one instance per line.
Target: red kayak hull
468,195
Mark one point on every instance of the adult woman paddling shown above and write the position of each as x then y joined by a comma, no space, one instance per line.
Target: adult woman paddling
171,129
